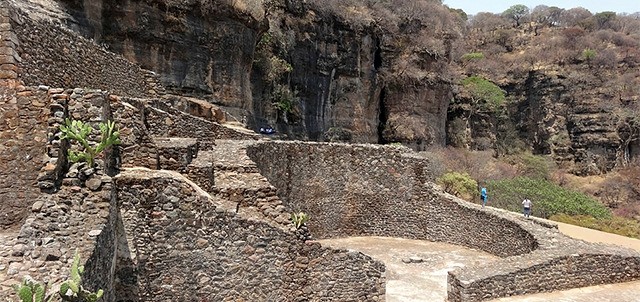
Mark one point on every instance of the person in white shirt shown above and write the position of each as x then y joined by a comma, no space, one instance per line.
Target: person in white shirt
526,204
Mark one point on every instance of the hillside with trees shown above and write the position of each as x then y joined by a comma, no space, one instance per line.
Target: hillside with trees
555,95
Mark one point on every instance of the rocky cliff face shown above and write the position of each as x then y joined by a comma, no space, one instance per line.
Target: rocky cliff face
344,82
198,47
355,74
355,80
581,127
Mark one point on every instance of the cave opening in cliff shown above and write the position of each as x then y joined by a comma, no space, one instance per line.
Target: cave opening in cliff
382,117
377,56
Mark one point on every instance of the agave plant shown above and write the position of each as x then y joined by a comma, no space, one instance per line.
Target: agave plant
299,219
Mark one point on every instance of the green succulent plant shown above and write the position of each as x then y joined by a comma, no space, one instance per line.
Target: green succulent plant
79,132
299,219
31,291
72,290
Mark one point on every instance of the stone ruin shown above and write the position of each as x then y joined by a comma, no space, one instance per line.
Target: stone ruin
189,209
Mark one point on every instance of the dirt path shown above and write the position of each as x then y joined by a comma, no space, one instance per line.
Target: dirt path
597,236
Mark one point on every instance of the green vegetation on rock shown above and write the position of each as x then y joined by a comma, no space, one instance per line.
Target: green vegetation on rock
72,289
484,92
31,291
299,219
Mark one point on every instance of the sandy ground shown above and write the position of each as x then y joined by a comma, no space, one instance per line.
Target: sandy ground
427,281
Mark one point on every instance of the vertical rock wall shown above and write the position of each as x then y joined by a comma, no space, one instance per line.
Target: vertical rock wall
23,138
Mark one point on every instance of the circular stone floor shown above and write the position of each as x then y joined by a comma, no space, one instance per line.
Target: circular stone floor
427,281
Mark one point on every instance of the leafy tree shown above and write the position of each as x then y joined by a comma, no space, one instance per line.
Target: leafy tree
463,15
574,16
487,22
458,184
79,132
604,20
517,13
547,15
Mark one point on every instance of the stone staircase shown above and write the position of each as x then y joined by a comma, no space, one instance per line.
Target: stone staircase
224,171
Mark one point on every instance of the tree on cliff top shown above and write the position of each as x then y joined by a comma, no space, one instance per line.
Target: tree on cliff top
517,13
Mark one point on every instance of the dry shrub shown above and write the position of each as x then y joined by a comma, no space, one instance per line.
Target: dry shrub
480,165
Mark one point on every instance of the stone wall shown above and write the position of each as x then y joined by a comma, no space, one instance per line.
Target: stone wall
186,246
543,273
137,148
9,58
23,138
359,190
80,217
377,191
54,56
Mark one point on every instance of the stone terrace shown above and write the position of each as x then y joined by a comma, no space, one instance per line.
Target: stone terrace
144,235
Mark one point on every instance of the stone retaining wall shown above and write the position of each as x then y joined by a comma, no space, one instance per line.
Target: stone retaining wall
9,57
359,190
188,248
544,272
78,217
137,148
55,56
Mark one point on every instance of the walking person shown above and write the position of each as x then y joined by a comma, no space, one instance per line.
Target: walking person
483,196
526,205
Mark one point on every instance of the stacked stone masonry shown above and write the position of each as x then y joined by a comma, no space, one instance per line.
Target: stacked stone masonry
131,243
23,139
224,235
80,217
359,190
9,57
188,248
175,153
58,57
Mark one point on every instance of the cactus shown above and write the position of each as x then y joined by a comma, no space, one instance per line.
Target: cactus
299,219
72,290
79,131
30,291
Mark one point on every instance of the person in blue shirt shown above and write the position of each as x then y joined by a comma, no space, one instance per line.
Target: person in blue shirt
483,196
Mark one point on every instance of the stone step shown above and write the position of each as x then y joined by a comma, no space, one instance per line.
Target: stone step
231,155
250,190
175,153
